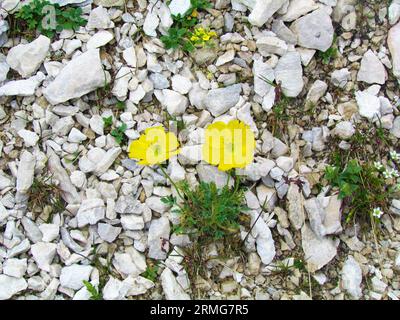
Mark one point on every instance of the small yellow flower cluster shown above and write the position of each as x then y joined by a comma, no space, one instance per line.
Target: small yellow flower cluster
201,36
227,145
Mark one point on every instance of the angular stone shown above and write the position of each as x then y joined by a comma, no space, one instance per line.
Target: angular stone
80,76
158,238
27,58
394,47
352,277
289,73
372,69
318,251
263,10
171,287
219,101
315,30
9,286
295,206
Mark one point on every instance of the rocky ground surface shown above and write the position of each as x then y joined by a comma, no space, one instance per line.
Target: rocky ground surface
109,225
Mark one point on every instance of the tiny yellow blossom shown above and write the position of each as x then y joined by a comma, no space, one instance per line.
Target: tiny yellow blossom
154,146
229,145
194,13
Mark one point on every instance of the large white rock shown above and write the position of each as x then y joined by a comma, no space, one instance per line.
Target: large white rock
394,47
4,68
372,69
220,100
10,286
314,31
158,238
179,7
99,19
263,10
99,39
69,193
43,253
262,74
264,241
271,45
80,76
90,212
72,277
289,73
297,8
25,172
174,102
22,88
318,251
30,138
27,58
171,287
368,104
151,23
352,277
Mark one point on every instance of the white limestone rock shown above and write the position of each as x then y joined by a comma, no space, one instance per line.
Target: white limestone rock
24,88
99,39
90,212
10,286
27,58
43,253
99,19
368,105
262,10
298,8
289,73
314,31
80,76
158,238
179,7
30,138
371,70
318,251
172,289
394,47
72,276
25,172
219,101
271,45
352,277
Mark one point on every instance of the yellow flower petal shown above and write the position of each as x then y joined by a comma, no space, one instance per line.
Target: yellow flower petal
154,146
229,145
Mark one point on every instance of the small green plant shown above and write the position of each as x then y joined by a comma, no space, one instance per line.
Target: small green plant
120,105
208,213
36,15
179,35
108,122
118,133
95,294
151,272
361,187
331,53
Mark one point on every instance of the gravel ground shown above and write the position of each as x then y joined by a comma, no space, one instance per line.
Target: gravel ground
307,76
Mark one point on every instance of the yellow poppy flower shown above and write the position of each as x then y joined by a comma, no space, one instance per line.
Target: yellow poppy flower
154,146
229,145
206,37
194,38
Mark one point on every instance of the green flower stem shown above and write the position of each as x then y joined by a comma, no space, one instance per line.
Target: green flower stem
172,182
